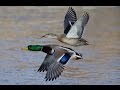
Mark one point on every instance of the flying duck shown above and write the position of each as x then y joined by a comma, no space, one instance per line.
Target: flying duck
73,29
57,56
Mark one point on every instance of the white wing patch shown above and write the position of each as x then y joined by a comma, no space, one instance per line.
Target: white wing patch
75,30
60,58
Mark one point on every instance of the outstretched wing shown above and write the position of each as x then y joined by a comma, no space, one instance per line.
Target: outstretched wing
46,63
56,68
76,30
70,19
54,71
49,59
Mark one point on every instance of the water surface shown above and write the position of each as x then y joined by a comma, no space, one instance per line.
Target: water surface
21,26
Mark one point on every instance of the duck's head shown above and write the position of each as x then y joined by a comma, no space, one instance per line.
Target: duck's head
33,48
49,35
42,48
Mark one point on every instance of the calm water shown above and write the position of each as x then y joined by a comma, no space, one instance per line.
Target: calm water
21,26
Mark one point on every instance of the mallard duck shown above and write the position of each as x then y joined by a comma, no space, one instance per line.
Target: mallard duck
73,29
57,56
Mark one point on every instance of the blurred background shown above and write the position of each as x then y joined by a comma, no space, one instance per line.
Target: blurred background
24,25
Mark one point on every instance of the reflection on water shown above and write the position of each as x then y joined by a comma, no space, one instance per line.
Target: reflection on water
20,26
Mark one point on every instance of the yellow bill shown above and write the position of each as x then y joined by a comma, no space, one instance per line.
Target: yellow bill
25,48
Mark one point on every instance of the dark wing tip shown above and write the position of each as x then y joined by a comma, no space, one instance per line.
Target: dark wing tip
86,14
85,18
54,71
43,68
69,17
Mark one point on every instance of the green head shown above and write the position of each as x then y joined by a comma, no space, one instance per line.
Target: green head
43,48
35,47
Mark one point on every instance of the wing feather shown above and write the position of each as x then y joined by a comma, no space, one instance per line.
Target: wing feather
70,19
77,29
54,71
45,64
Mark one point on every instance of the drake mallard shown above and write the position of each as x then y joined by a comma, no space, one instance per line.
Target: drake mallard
57,56
73,29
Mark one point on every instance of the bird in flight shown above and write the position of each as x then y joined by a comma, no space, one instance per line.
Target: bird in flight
55,60
73,29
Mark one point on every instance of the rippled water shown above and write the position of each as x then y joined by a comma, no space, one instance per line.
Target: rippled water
21,26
